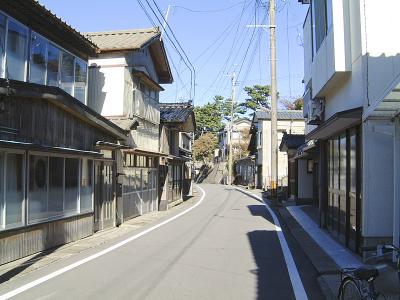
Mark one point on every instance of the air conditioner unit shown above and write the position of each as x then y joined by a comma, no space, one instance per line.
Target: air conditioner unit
316,109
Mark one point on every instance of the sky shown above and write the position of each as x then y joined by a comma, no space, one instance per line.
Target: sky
215,37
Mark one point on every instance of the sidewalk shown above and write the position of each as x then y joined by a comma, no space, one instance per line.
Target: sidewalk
23,266
326,254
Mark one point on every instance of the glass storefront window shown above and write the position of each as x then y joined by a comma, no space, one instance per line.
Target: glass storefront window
14,195
38,186
86,185
56,186
17,44
71,185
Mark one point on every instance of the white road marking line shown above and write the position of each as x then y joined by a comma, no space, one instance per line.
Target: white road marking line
297,284
98,254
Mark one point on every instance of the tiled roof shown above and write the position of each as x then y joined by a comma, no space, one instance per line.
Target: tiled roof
282,115
292,141
131,39
175,112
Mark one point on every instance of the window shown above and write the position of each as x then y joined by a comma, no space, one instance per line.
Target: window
71,185
80,80
321,21
37,70
11,189
3,21
17,44
37,197
56,186
53,54
86,185
67,72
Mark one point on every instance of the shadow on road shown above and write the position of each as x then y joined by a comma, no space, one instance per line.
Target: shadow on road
272,278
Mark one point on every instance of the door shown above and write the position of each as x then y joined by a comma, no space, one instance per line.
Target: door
104,216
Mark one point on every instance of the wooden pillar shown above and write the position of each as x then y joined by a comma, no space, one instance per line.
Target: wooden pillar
323,192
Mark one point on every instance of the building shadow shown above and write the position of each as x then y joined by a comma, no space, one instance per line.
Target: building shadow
273,281
26,264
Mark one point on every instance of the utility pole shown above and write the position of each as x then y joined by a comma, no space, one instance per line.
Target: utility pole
274,121
230,163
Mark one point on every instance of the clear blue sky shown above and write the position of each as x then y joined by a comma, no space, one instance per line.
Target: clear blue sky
207,38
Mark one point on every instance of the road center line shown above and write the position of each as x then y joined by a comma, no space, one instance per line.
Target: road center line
43,279
294,276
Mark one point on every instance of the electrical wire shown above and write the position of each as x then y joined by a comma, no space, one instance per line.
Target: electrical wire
180,46
210,11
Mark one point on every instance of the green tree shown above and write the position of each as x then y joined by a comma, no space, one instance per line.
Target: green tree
204,146
295,105
209,116
257,97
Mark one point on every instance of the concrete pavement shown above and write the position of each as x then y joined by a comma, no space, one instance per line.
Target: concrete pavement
226,248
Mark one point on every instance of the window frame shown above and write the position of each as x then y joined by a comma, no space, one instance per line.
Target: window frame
3,226
27,60
64,214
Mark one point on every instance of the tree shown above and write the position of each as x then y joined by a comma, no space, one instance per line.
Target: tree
258,97
204,146
295,105
240,148
209,116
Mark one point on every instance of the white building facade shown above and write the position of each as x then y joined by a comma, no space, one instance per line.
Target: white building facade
351,76
289,121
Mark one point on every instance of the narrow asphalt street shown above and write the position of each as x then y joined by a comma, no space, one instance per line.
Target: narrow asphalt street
225,248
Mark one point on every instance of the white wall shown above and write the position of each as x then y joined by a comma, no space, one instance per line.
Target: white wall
305,181
293,127
106,85
377,208
383,47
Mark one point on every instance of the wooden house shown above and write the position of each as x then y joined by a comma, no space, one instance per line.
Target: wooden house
57,181
124,87
176,128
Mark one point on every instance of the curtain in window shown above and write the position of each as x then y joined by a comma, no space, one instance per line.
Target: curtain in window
17,42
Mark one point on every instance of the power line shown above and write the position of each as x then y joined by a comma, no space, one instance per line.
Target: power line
180,46
210,11
169,38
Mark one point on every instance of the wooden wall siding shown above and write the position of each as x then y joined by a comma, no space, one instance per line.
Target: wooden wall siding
15,244
42,123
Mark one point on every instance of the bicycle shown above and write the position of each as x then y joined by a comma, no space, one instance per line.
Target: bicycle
358,283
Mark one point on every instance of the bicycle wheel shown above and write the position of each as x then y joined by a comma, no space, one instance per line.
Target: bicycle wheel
349,290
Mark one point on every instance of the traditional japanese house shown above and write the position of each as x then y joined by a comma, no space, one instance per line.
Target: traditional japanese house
57,185
177,125
124,87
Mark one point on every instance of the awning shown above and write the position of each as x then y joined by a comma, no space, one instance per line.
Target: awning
337,123
147,80
109,146
145,152
37,147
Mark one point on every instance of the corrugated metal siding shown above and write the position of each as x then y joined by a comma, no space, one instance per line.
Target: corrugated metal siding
15,244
